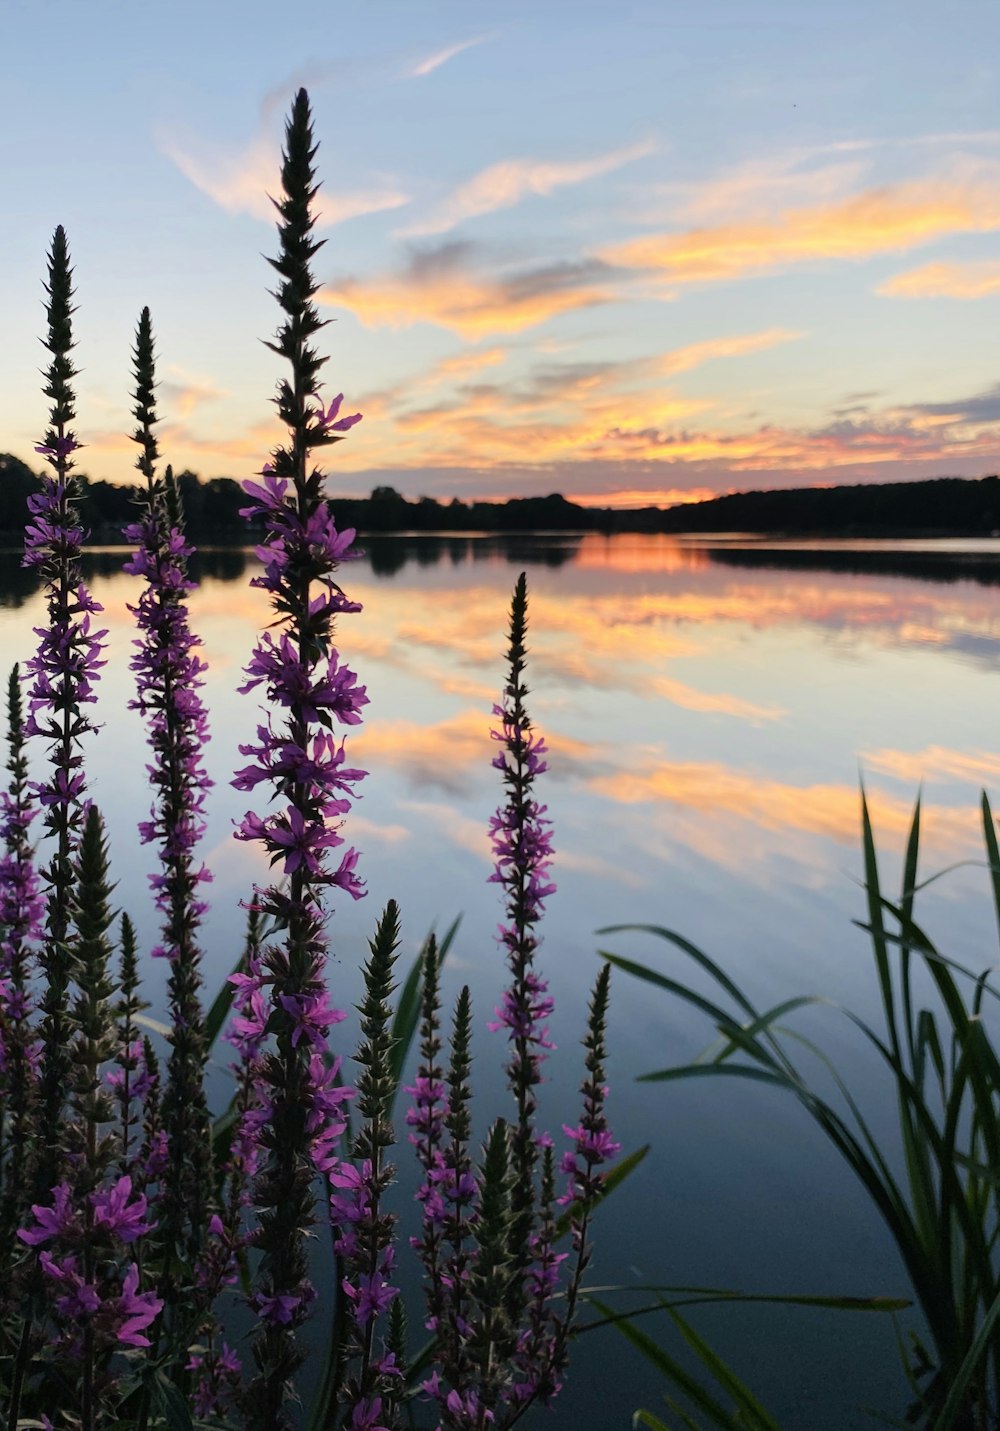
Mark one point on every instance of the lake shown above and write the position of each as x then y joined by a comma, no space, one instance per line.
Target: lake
710,707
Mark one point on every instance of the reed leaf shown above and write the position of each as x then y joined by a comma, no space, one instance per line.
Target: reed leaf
944,1072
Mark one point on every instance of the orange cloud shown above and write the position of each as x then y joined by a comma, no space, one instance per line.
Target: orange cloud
643,497
879,220
185,392
945,280
716,703
682,360
831,811
442,755
935,764
472,307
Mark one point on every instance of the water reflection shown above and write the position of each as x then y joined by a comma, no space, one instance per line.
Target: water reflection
919,565
390,554
707,708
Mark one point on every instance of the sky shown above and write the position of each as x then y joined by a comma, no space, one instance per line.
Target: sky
637,253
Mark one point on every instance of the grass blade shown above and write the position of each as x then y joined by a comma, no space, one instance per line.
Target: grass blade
673,1372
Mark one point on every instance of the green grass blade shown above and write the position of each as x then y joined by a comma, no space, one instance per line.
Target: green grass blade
992,853
713,1070
222,1003
877,924
751,1412
906,906
717,1296
673,1372
156,1026
698,955
671,986
959,1385
651,1422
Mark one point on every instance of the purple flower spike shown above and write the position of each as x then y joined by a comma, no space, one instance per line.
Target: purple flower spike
309,691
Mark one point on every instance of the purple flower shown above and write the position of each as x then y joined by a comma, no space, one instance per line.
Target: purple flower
367,1415
135,1311
122,1218
278,1309
312,1016
371,1296
58,446
80,1298
326,418
52,1221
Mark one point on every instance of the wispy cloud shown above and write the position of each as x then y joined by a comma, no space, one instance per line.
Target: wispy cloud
441,57
508,182
185,392
682,360
240,180
440,285
722,791
885,219
935,764
945,280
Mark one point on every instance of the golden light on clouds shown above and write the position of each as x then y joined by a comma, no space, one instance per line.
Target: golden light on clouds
945,280
473,307
887,219
682,360
713,702
643,496
936,764
752,797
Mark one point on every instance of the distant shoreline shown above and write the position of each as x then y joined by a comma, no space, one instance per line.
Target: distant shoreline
932,509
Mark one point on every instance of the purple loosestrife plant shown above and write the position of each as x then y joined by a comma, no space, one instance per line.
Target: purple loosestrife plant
168,680
372,1386
128,1081
63,673
522,847
495,1298
21,911
592,1147
85,1231
309,692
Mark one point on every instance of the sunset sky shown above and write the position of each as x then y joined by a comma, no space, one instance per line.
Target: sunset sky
632,253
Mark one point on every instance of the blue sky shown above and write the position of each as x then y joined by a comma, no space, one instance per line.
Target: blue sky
635,252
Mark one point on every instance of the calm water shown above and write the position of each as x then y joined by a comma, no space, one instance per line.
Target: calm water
708,708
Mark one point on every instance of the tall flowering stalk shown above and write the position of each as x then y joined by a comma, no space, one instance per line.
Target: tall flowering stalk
168,680
63,673
496,1299
372,1387
522,846
592,1146
85,1230
308,690
21,910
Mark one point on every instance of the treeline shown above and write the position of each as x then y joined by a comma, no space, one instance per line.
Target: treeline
945,506
211,508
